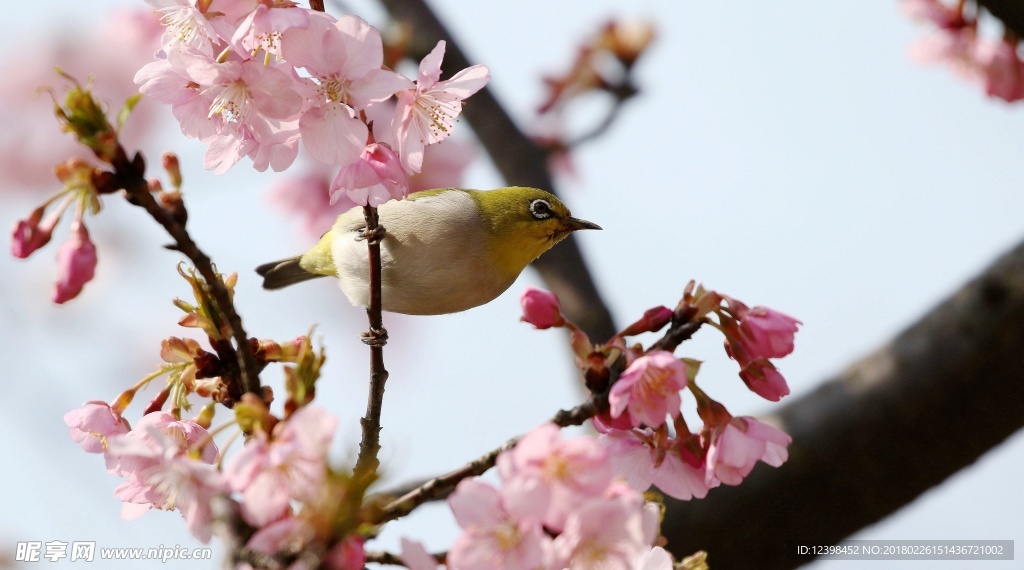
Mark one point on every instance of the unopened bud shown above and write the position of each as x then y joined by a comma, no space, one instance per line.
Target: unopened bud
205,417
251,413
76,261
541,308
627,40
169,161
653,320
82,115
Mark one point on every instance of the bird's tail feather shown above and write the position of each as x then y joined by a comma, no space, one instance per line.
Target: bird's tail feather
284,272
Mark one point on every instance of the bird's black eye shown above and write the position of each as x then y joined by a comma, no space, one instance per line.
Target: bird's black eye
540,209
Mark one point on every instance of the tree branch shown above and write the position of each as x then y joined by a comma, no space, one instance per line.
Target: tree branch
376,337
130,175
877,435
521,163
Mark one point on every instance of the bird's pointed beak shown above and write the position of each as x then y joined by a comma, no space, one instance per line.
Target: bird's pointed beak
578,224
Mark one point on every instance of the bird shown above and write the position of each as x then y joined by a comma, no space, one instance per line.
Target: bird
444,250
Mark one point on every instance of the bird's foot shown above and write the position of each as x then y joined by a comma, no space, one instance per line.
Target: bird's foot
374,337
374,236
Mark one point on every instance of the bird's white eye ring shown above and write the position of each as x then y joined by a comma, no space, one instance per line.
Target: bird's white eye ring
540,209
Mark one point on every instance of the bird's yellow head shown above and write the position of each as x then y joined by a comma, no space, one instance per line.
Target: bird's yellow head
522,223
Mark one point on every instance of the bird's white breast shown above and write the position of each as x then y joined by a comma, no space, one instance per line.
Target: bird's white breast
433,257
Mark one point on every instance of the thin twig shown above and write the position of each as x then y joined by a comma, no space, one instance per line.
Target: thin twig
131,176
376,337
675,335
620,93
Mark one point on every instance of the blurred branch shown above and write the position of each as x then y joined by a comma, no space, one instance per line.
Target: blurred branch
1011,12
521,163
879,434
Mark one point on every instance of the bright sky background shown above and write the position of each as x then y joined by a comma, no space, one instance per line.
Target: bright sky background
791,156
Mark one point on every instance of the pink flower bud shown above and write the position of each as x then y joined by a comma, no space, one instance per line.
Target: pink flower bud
764,380
652,321
649,389
374,178
92,423
1002,70
29,234
76,261
768,333
541,308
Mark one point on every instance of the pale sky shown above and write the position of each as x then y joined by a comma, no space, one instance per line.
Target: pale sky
791,157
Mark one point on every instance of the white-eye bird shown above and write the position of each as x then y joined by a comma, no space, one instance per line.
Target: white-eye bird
444,250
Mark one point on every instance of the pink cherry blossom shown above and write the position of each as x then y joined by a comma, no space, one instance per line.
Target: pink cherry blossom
92,424
735,447
427,114
767,333
344,58
650,513
249,93
157,430
161,476
649,389
496,533
540,308
374,178
639,458
601,533
656,558
415,556
185,24
559,475
764,379
291,465
76,262
275,148
167,80
262,29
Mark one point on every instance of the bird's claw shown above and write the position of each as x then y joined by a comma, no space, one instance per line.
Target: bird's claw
374,236
374,337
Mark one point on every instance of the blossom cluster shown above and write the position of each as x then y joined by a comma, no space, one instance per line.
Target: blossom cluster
994,64
253,78
559,506
170,462
648,441
76,258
